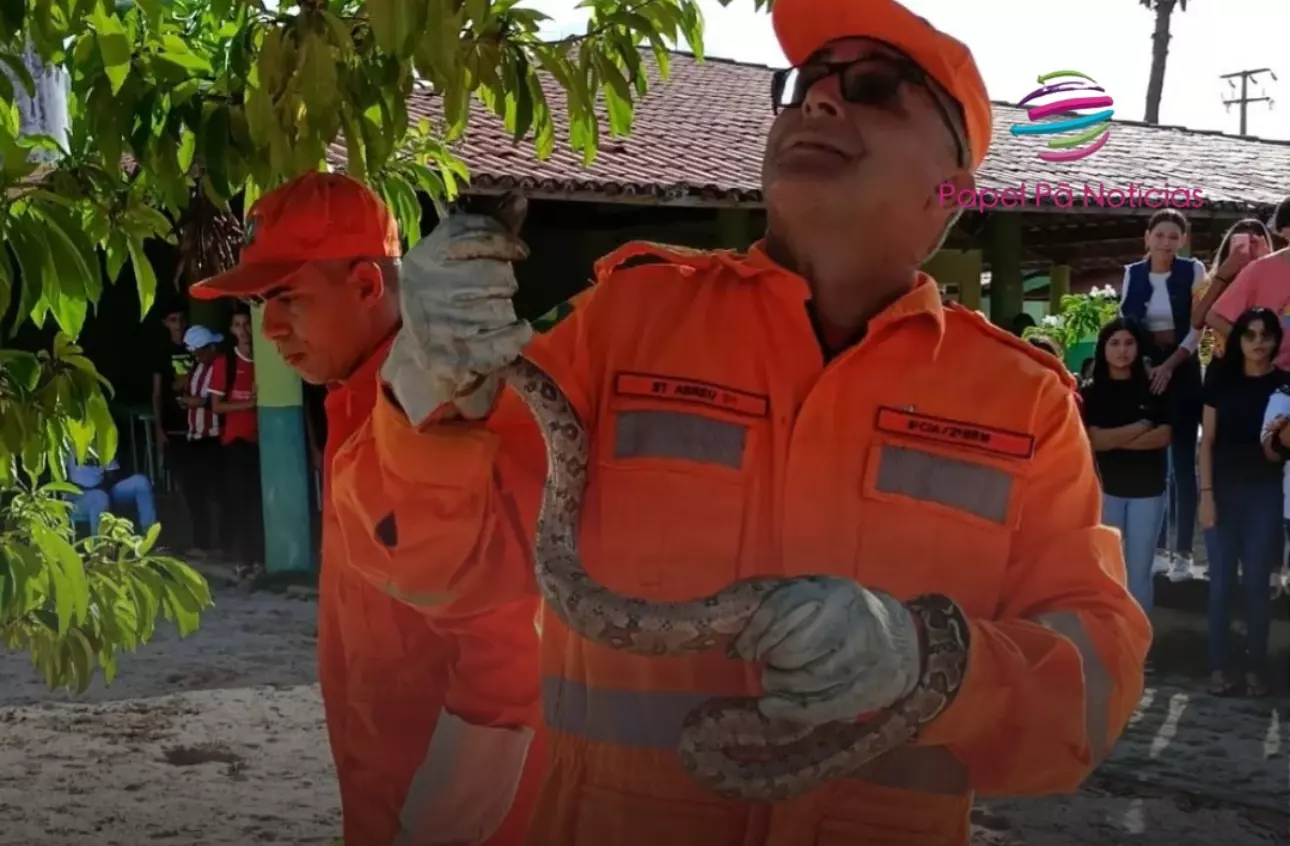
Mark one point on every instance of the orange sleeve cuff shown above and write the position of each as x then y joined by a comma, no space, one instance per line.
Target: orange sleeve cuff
980,701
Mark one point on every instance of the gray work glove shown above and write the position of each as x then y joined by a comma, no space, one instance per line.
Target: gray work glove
833,650
459,325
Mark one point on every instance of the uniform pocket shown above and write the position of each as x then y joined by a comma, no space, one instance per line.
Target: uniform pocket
671,497
938,512
609,818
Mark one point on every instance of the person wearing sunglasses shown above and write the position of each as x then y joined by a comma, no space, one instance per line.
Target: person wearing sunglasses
810,408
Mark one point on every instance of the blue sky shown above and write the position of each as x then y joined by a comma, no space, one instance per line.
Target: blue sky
1016,40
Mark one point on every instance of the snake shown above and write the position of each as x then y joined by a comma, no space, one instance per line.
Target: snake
726,744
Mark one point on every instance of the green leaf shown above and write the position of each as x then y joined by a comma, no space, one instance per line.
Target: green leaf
117,250
105,433
144,276
383,16
175,51
524,103
68,230
215,151
17,68
27,240
401,197
6,282
114,46
318,79
187,148
67,575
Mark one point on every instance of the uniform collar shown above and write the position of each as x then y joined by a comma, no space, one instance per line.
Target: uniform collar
354,398
921,304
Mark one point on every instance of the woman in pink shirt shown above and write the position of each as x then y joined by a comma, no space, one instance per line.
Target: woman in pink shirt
1264,283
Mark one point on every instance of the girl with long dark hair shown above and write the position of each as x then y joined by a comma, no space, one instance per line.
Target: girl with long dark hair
1158,296
1240,494
1128,426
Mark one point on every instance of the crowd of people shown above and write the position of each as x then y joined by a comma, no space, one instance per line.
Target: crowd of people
1179,444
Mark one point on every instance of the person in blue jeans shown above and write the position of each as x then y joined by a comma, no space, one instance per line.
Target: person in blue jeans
1129,429
1240,495
1160,295
102,491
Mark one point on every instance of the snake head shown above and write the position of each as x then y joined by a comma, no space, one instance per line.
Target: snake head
511,211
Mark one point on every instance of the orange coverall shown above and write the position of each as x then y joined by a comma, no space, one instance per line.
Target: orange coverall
937,455
386,671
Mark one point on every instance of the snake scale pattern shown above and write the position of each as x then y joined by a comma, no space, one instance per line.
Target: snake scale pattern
726,745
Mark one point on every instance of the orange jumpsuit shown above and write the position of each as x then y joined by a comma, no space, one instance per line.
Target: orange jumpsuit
387,671
937,455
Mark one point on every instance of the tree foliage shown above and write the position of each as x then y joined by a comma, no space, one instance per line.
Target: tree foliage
1079,318
73,604
206,100
178,110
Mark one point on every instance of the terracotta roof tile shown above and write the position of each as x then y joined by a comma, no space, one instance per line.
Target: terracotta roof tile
698,137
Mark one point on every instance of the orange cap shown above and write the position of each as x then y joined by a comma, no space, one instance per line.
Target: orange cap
804,26
314,217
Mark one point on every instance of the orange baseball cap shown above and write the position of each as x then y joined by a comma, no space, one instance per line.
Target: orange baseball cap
314,217
804,26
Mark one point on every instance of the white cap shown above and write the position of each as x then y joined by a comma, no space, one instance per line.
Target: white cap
199,336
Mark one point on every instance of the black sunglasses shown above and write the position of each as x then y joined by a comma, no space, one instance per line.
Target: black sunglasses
868,81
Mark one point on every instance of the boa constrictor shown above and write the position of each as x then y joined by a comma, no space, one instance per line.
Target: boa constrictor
726,744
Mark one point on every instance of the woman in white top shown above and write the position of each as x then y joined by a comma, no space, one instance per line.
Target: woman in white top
1158,295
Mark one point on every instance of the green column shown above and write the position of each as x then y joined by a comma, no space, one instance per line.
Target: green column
1059,285
959,269
284,465
1006,292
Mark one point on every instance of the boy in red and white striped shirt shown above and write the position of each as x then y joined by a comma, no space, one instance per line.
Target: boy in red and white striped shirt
199,464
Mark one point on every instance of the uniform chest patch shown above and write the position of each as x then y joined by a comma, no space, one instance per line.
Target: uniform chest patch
675,389
955,432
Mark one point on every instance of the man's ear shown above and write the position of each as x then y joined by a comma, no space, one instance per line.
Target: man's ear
368,282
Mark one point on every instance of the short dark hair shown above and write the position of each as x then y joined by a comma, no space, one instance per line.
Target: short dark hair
1281,217
1168,216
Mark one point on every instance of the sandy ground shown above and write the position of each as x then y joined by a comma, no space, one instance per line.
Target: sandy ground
218,740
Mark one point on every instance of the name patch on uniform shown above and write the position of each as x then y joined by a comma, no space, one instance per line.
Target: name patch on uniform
671,388
956,432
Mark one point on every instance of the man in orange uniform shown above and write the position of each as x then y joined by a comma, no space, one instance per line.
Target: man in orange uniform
322,255
808,408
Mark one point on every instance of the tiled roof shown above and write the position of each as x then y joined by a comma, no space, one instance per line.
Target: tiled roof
698,138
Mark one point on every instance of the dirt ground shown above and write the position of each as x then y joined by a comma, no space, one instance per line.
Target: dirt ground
218,740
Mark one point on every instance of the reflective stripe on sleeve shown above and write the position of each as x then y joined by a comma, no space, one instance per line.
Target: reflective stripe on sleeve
1097,682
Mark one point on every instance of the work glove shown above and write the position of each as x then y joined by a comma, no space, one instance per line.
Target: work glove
462,793
459,325
832,651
